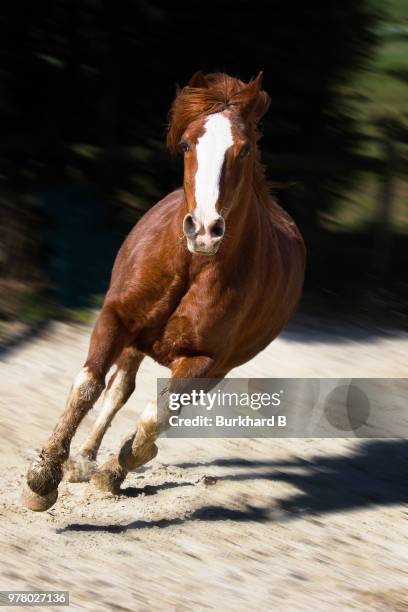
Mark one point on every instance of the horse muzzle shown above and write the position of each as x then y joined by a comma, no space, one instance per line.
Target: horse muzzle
203,238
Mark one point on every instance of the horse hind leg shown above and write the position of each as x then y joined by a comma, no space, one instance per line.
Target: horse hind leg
80,467
113,472
139,447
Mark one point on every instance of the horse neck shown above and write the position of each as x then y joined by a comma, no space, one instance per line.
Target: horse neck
244,215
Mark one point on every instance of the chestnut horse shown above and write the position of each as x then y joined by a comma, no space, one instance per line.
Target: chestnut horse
205,280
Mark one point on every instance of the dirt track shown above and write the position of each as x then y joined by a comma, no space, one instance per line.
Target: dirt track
289,524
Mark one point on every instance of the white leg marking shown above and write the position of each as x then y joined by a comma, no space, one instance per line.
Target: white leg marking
83,386
82,377
113,398
149,414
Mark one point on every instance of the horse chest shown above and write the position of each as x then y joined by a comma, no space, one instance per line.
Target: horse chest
211,317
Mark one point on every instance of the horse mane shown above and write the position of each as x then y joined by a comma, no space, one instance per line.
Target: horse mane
192,102
223,90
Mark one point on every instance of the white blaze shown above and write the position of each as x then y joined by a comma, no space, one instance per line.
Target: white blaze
211,149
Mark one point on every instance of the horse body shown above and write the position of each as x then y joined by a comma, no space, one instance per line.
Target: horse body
224,307
207,278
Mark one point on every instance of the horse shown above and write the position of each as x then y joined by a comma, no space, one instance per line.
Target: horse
206,279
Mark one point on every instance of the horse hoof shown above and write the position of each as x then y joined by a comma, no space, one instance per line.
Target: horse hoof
109,477
152,454
134,460
79,469
44,476
38,503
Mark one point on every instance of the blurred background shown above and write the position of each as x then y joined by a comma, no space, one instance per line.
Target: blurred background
85,88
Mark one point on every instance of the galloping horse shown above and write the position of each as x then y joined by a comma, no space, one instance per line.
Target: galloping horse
205,280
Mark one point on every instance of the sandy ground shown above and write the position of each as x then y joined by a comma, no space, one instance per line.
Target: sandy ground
288,525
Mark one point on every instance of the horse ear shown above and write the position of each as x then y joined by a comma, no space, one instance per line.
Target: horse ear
249,93
198,80
253,99
254,87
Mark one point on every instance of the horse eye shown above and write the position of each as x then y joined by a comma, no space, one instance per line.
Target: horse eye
244,151
184,146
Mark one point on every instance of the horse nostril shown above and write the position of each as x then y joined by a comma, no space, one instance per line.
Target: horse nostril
217,229
189,227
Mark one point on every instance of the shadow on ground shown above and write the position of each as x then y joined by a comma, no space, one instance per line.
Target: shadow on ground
151,489
30,333
376,474
341,330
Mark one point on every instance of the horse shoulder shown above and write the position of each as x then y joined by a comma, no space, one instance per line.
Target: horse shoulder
149,270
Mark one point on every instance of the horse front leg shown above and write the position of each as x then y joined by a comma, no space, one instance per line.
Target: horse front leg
44,476
139,447
120,387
